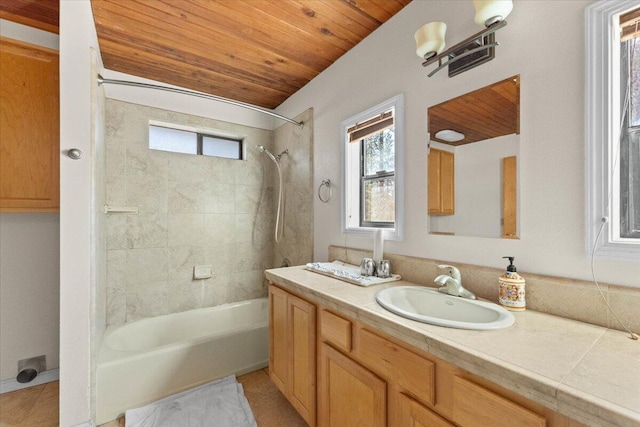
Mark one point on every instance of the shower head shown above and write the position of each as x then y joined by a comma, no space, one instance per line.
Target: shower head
264,150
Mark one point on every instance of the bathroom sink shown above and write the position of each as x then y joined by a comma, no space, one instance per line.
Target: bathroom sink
430,306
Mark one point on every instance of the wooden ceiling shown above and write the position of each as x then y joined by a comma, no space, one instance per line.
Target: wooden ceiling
485,113
41,14
255,51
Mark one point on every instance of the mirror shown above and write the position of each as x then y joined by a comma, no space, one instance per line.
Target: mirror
473,163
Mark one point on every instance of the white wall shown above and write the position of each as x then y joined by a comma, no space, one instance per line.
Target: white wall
478,187
544,43
98,223
29,266
29,289
31,35
78,268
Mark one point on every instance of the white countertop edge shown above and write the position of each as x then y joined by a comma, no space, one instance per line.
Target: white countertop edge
595,411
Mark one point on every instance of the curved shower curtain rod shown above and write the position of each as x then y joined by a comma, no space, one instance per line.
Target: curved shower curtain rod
102,81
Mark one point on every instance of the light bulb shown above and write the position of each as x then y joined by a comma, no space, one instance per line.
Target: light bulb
430,39
489,12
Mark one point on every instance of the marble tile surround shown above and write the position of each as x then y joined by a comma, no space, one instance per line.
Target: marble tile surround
193,210
296,244
568,298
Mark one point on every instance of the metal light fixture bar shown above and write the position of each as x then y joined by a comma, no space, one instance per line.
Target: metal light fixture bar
474,40
102,81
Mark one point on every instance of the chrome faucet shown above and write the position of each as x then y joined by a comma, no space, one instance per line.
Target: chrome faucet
452,283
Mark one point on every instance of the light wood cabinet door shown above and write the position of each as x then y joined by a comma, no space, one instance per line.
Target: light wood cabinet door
278,333
292,350
395,363
413,414
447,188
441,185
29,128
350,395
476,406
509,197
302,359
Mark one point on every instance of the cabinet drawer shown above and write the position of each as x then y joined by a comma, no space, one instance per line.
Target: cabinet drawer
413,414
414,373
335,330
476,406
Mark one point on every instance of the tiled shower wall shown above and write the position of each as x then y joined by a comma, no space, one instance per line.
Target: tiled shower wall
193,210
296,244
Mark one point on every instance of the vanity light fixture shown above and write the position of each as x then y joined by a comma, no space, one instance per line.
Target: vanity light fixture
449,135
472,51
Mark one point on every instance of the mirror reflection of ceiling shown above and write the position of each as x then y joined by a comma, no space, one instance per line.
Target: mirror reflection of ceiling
486,113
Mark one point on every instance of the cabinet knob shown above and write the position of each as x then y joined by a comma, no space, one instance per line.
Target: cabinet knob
74,154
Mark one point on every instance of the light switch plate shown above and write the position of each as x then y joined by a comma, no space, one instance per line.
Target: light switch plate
201,271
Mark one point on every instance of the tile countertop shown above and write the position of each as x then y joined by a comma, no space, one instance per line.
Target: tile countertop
586,372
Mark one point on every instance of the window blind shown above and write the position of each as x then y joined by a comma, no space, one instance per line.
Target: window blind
370,127
630,25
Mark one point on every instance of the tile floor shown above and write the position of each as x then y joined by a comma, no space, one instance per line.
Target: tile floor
38,406
30,407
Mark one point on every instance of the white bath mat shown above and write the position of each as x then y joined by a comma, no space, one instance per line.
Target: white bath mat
221,403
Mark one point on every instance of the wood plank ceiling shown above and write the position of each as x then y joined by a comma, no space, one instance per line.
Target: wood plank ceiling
255,51
485,113
41,14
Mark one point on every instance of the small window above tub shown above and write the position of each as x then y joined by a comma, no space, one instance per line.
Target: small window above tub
186,140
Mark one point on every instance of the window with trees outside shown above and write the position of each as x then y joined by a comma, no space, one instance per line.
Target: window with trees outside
372,160
613,130
377,172
630,134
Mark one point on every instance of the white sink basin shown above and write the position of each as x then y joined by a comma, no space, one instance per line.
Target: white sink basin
430,306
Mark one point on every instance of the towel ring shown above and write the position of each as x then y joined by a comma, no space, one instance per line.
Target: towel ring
324,183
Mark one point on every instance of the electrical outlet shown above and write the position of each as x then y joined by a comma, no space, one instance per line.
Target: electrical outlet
201,271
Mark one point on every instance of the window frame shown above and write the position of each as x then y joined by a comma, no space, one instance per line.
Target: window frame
200,134
602,129
352,179
201,141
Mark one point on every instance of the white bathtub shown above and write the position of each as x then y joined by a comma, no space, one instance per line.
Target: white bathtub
143,361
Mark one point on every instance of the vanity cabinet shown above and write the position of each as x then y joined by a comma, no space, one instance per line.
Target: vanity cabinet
441,198
29,128
375,371
292,350
370,379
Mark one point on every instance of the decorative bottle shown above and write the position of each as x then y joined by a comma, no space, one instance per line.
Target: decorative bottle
512,293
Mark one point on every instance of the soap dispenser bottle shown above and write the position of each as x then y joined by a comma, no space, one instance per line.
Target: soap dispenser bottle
512,294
